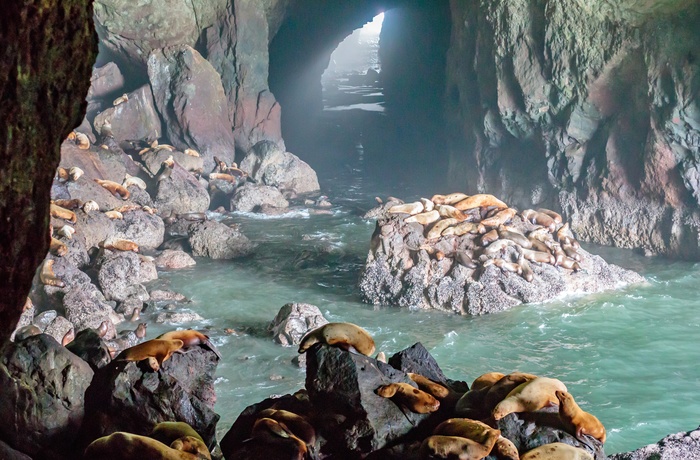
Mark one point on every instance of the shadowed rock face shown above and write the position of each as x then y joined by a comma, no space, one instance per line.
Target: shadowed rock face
44,77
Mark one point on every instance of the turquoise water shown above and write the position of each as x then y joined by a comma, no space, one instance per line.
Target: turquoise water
629,356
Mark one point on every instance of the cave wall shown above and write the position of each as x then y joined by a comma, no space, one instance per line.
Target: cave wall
48,50
589,107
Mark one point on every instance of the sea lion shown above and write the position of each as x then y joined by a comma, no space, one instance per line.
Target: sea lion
25,332
224,177
463,228
470,429
465,259
342,335
516,237
505,449
191,152
407,395
149,210
48,277
565,236
529,397
500,218
537,256
62,174
159,350
500,389
503,265
570,264
439,227
62,213
447,211
133,180
127,208
91,206
193,216
66,231
271,431
488,237
539,245
68,337
68,204
135,315
472,404
58,247
424,218
180,436
525,269
440,446
571,252
82,141
127,446
486,380
381,357
539,218
449,199
480,201
429,386
193,445
118,244
115,189
556,451
576,421
75,173
102,329
297,424
407,208
140,330
496,248
428,205
554,215
121,99
114,215
191,338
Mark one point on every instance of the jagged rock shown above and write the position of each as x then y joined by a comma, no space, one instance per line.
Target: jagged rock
90,347
190,98
251,197
418,360
146,230
678,446
528,430
106,81
120,274
58,328
43,319
87,309
95,163
293,321
173,259
180,192
342,384
218,241
26,318
130,396
43,387
135,119
268,164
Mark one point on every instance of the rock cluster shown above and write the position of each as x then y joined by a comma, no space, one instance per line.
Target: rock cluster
475,255
342,413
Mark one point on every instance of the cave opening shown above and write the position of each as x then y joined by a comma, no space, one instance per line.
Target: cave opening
374,109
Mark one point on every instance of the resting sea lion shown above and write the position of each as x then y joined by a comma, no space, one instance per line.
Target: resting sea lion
75,173
427,204
539,218
114,215
500,218
500,389
159,350
48,277
486,380
450,199
298,425
505,449
470,429
62,174
191,152
463,258
576,421
571,252
439,446
381,357
489,237
115,189
570,264
90,206
407,395
342,335
271,431
66,231
537,256
439,227
424,218
191,338
62,213
408,208
429,386
518,238
132,180
504,265
480,201
127,446
447,211
529,397
58,247
472,404
68,337
68,204
556,451
118,244
169,433
525,269
554,215
565,236
464,228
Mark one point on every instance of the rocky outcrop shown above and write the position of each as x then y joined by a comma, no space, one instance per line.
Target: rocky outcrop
120,275
678,446
180,192
293,321
135,119
218,241
142,228
252,197
269,164
173,259
42,399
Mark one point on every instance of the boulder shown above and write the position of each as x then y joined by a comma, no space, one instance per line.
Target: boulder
95,227
418,360
90,347
136,119
95,163
120,274
43,319
190,98
146,230
179,192
153,159
87,309
43,388
252,197
172,259
58,328
678,446
267,163
341,385
105,82
293,321
218,241
130,396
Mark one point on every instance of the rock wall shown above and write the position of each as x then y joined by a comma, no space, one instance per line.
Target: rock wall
37,108
587,106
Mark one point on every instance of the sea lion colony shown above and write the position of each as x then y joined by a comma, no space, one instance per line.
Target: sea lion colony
480,228
467,427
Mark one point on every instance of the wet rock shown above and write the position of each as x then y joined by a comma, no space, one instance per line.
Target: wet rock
180,192
173,259
293,321
250,197
120,274
418,360
177,317
129,396
89,346
190,98
128,305
218,241
147,270
43,319
529,430
43,386
135,119
160,295
146,230
678,446
342,385
268,164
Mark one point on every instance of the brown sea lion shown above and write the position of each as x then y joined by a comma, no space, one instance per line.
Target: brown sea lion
480,201
407,208
58,247
428,205
102,329
570,264
500,389
529,397
470,429
465,259
82,141
539,218
75,173
115,189
488,237
429,386
486,380
342,335
576,421
191,152
90,206
62,213
271,431
449,199
62,174
504,265
554,215
68,337
500,218
571,252
565,236
66,231
537,256
48,277
132,180
181,436
114,215
505,449
68,204
191,338
451,212
407,395
127,446
118,244
439,227
439,446
472,404
424,218
556,451
121,99
159,350
525,269
298,425
516,237
463,228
